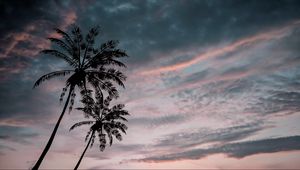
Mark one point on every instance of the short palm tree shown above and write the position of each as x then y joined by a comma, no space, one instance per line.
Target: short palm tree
88,66
108,122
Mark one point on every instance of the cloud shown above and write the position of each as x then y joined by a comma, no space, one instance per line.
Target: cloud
215,52
20,46
157,29
235,150
24,105
17,134
206,136
164,120
277,102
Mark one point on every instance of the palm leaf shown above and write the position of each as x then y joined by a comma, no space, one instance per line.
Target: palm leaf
106,85
90,39
88,134
109,135
66,36
111,61
102,141
81,123
51,75
77,42
117,134
121,126
120,112
106,52
98,93
62,44
60,55
106,58
110,74
118,107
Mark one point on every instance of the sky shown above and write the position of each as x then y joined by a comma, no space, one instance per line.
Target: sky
211,84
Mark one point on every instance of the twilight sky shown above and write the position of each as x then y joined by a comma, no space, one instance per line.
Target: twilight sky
211,84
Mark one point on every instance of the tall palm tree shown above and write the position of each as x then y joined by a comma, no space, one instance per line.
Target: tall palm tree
107,121
88,66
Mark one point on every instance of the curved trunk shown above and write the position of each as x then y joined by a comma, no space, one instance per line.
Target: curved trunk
38,163
78,163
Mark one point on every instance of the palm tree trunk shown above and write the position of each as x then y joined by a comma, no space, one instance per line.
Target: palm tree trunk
38,163
78,163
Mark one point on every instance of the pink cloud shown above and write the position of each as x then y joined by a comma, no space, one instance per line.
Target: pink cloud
35,39
16,122
275,33
36,42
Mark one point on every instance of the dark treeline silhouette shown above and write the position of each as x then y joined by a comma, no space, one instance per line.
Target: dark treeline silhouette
89,68
107,121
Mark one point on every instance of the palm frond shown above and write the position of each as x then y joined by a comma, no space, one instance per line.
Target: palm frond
61,55
63,94
117,134
117,125
105,85
81,123
112,117
121,126
72,100
109,135
93,139
102,140
119,113
77,33
65,36
106,58
118,107
108,86
107,100
111,61
115,53
62,44
77,42
90,106
122,118
98,93
51,75
110,74
90,40
87,135
105,55
111,44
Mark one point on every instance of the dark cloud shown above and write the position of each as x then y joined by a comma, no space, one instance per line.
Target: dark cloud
22,102
31,23
17,134
21,13
282,94
236,150
278,101
204,136
147,28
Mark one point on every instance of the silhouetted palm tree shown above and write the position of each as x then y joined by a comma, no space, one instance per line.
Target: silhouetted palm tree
107,121
88,65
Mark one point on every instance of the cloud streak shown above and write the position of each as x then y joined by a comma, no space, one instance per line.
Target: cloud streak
215,52
235,150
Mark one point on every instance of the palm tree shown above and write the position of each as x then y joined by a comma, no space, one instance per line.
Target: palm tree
107,121
88,66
